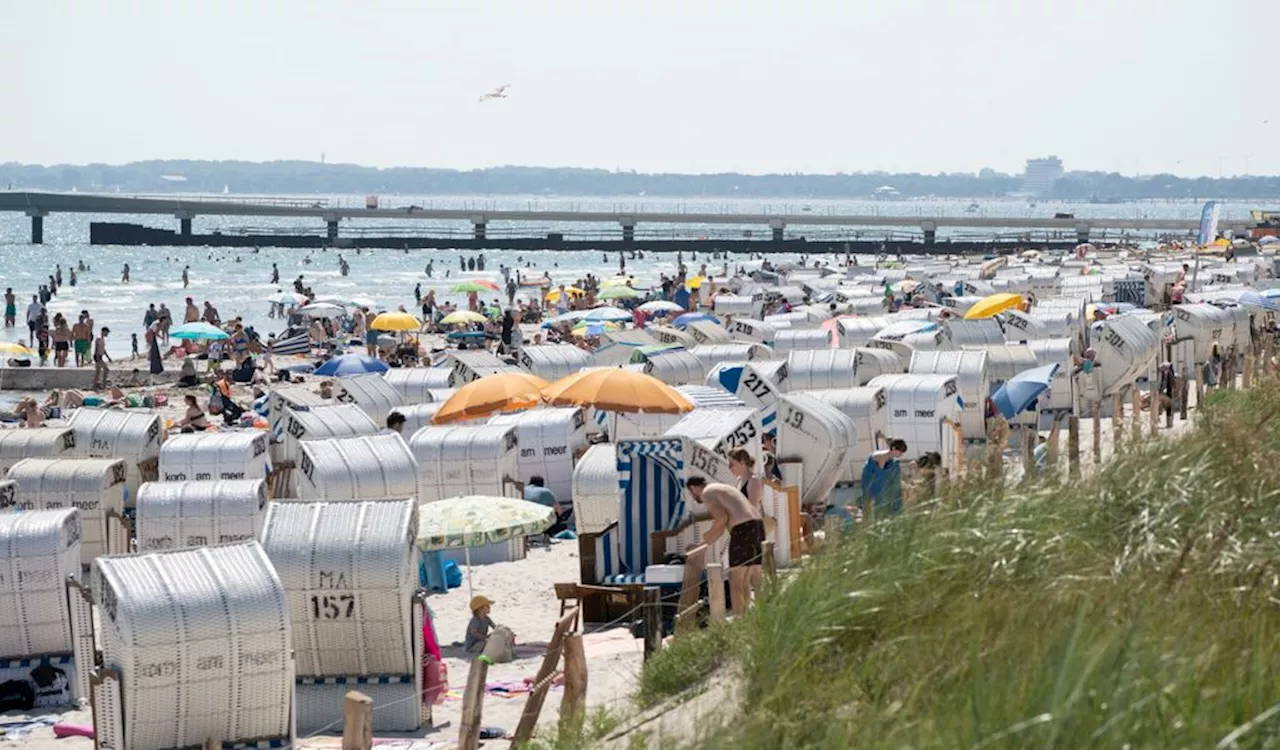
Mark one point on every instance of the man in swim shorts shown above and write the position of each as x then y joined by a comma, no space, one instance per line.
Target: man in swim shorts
731,511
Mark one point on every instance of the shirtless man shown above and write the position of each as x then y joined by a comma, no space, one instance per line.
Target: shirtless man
731,511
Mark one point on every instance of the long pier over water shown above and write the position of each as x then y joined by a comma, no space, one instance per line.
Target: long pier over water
742,232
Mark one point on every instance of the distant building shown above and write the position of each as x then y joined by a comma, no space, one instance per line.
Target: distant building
1041,174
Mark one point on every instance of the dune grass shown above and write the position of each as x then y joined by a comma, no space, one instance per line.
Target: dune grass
1139,607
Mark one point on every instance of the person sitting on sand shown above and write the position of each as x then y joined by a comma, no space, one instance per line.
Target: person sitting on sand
30,413
195,418
480,625
535,491
187,376
135,379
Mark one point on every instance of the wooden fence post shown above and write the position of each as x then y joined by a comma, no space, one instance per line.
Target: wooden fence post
652,621
1073,446
715,591
473,705
770,569
1097,432
574,702
1117,422
1137,411
357,718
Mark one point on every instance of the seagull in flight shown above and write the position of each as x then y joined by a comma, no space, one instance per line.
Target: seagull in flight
498,93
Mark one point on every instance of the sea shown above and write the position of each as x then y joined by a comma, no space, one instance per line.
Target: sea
238,281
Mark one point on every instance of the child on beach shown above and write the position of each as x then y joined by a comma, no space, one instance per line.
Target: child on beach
480,625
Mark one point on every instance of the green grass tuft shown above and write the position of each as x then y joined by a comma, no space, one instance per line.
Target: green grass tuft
1138,607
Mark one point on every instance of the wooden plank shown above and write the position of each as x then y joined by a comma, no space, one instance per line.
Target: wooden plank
357,721
652,621
573,704
542,682
715,591
691,587
473,705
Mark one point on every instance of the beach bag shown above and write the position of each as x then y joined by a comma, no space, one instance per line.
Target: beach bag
500,648
17,695
452,574
435,681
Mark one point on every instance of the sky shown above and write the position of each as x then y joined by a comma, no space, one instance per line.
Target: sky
696,86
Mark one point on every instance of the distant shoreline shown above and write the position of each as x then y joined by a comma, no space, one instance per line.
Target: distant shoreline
315,178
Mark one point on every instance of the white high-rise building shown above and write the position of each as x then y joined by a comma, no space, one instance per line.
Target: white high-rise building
1041,174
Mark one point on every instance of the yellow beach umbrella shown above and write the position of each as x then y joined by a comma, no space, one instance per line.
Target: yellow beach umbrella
696,282
572,291
617,389
460,317
504,391
395,321
993,305
12,349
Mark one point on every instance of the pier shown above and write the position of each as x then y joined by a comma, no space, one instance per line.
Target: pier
338,226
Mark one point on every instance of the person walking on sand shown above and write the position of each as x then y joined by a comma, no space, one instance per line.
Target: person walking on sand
731,511
101,359
81,333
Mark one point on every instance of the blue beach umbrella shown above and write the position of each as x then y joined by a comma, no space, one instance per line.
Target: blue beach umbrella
693,317
1253,299
1022,389
197,331
351,364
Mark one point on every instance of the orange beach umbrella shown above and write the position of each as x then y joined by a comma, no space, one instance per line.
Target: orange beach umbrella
617,389
503,391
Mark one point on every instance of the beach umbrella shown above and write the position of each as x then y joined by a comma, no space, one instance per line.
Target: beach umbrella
476,520
659,306
286,298
1269,239
1271,292
573,316
617,389
395,321
197,331
696,282
615,281
607,314
618,292
1019,391
905,328
461,317
572,291
473,285
14,349
1253,299
594,329
362,302
906,286
322,310
504,391
693,317
993,305
351,364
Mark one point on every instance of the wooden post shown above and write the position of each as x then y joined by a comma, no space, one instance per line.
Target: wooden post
652,621
1097,432
573,704
212,744
1054,441
1073,446
542,680
1137,411
357,718
1029,437
770,569
1184,395
1246,377
1157,397
715,591
1117,422
472,705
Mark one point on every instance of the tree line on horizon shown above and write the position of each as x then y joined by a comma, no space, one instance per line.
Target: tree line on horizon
301,177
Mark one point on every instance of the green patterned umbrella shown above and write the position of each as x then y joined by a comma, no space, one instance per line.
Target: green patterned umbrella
477,520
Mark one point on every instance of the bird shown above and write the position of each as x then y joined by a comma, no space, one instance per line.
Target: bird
498,93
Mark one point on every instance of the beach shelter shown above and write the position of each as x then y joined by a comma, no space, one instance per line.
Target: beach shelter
396,321
479,521
508,391
994,305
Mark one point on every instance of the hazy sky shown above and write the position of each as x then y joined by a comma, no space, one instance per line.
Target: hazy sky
651,85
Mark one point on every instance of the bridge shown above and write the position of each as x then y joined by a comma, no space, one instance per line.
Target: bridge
38,205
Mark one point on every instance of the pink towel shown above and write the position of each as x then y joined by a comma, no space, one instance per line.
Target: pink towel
429,642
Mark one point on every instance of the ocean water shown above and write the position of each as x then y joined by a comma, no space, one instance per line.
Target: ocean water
237,281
